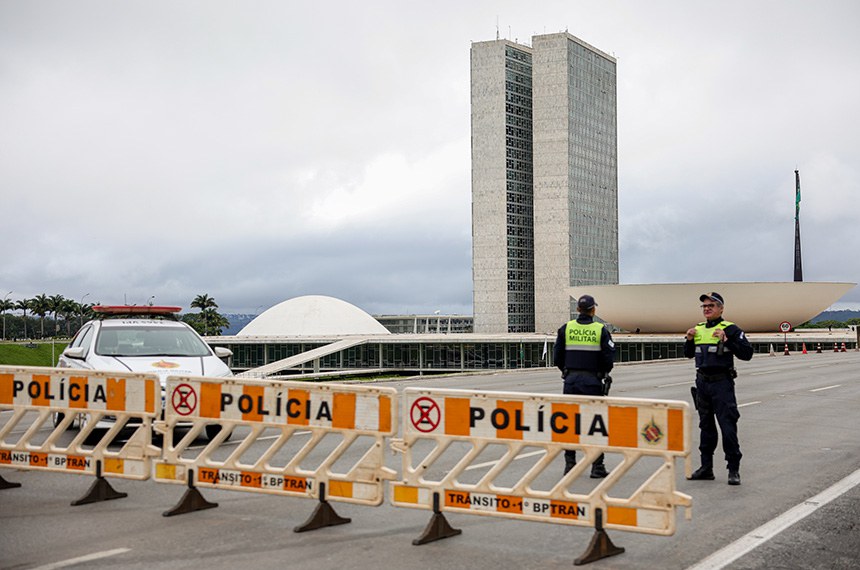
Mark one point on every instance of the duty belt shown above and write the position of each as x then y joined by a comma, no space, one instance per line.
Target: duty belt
715,377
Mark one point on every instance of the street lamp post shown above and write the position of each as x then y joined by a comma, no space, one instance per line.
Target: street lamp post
6,298
82,308
151,300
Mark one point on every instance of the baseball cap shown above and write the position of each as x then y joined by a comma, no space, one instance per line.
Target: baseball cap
713,297
585,302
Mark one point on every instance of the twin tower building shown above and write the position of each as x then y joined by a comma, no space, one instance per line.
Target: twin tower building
544,179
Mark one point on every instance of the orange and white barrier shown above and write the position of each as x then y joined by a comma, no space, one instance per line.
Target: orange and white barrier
462,426
291,419
30,440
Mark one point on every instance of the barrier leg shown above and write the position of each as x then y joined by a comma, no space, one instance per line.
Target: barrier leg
4,484
100,490
438,527
191,501
600,546
323,516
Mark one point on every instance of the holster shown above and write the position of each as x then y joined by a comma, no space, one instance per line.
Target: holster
695,394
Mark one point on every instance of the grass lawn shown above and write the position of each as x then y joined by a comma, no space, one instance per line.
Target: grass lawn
22,353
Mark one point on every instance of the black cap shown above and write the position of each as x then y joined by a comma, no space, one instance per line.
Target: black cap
713,297
585,303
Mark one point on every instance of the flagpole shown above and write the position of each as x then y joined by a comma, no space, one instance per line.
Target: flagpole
798,264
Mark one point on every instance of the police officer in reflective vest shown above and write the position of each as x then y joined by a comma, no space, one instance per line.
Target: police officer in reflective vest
714,343
584,352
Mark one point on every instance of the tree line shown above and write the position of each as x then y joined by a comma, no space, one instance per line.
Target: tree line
55,316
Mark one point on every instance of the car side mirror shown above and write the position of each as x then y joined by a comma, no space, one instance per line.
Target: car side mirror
222,352
77,353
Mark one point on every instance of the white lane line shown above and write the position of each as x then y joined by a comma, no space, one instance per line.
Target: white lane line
675,384
491,463
86,558
826,388
763,372
238,441
757,537
749,404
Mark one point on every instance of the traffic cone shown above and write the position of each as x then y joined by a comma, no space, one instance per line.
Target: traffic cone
835,347
786,350
818,348
772,353
843,348
804,349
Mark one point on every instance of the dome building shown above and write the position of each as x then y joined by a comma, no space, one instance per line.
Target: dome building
313,316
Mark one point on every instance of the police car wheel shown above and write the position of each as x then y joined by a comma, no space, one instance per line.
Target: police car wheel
213,429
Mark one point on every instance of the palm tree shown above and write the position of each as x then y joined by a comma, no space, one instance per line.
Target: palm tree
204,302
5,305
55,305
23,305
39,305
69,308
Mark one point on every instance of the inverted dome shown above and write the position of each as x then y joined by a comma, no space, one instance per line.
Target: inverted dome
313,315
674,307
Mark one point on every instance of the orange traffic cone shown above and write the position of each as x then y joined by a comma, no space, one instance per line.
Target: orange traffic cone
835,347
786,350
804,349
843,348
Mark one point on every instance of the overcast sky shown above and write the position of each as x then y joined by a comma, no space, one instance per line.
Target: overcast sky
257,151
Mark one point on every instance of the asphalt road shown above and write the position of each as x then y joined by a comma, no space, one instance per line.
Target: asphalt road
798,432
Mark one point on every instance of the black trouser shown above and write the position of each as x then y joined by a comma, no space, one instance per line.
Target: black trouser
717,405
583,383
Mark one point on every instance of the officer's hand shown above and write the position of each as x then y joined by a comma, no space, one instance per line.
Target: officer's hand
720,334
691,334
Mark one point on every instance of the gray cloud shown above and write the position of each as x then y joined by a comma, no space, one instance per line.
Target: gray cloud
261,152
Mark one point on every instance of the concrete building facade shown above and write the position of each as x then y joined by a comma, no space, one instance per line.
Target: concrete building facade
544,179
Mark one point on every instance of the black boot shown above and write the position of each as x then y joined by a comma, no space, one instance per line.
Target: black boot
734,477
568,465
598,471
703,473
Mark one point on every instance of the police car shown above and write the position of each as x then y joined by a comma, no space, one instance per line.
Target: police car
147,339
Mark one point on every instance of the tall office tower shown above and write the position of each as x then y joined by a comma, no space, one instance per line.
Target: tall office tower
544,179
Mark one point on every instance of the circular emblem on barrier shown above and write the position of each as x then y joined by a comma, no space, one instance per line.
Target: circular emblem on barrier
184,399
425,414
651,432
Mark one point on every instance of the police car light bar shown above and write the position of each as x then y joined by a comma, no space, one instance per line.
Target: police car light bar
135,310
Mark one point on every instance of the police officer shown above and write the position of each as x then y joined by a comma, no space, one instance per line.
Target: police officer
714,343
584,352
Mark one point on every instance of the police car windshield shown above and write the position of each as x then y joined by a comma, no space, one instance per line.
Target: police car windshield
143,340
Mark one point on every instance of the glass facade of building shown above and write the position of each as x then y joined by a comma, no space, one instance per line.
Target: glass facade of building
593,167
518,195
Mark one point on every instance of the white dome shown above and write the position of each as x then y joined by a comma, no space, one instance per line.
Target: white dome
313,315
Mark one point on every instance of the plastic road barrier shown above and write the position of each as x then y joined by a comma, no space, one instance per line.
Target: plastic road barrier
35,396
466,424
292,420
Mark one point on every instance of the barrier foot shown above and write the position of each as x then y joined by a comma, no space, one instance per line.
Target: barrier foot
323,516
4,484
438,527
600,546
99,491
191,501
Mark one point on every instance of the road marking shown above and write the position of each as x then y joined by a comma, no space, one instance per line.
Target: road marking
87,558
826,388
238,441
763,372
675,384
749,404
491,463
757,537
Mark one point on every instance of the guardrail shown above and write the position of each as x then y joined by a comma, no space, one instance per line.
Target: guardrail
291,420
547,425
57,399
470,452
